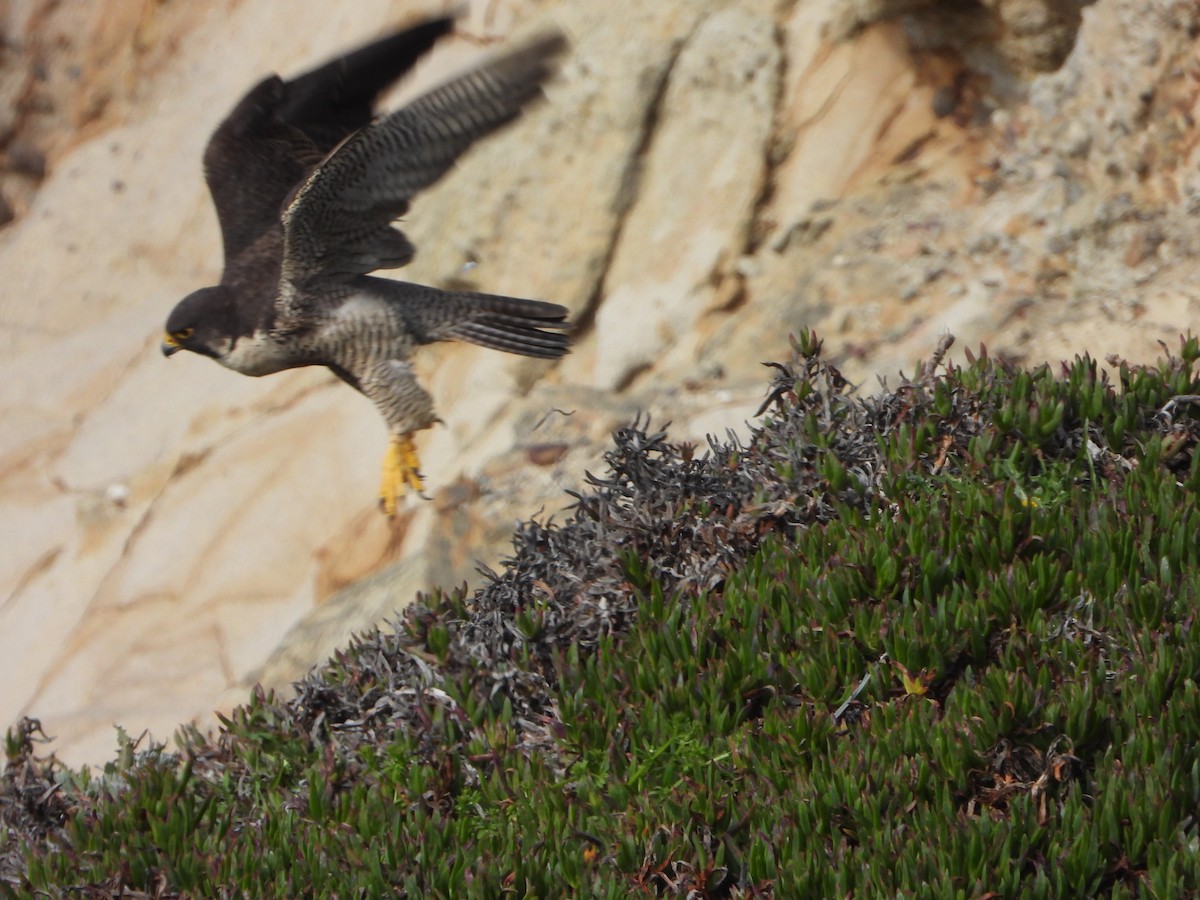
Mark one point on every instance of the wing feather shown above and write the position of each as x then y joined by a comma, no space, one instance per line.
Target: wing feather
281,129
338,225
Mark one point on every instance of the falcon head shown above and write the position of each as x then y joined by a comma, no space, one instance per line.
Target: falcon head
202,322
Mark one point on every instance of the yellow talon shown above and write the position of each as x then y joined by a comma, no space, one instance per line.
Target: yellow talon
401,472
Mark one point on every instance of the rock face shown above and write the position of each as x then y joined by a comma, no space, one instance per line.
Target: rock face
705,178
699,180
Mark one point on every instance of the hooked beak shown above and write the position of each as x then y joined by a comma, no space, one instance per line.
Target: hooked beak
169,345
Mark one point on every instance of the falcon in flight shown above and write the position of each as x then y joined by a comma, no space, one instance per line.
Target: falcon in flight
306,186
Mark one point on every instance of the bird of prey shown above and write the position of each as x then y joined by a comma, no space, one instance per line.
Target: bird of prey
306,187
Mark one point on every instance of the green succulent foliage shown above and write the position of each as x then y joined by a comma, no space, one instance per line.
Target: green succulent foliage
976,676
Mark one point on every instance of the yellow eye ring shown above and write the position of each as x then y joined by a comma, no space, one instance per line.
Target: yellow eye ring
183,334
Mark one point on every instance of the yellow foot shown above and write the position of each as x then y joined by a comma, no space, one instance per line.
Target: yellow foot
401,472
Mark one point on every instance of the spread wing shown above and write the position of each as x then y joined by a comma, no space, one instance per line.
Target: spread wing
281,129
338,226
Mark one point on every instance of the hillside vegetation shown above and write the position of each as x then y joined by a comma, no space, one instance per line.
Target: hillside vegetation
939,641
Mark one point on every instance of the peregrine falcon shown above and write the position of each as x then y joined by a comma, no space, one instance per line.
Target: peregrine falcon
306,187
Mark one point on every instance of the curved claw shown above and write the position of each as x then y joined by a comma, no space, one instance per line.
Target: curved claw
401,472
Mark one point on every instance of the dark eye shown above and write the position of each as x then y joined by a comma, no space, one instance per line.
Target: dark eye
183,334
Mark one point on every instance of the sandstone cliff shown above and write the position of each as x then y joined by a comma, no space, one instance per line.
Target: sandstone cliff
705,178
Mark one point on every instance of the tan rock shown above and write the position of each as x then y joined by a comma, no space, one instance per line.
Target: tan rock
1018,37
695,203
574,164
705,178
171,521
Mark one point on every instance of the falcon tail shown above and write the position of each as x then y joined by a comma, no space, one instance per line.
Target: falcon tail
525,327
510,324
